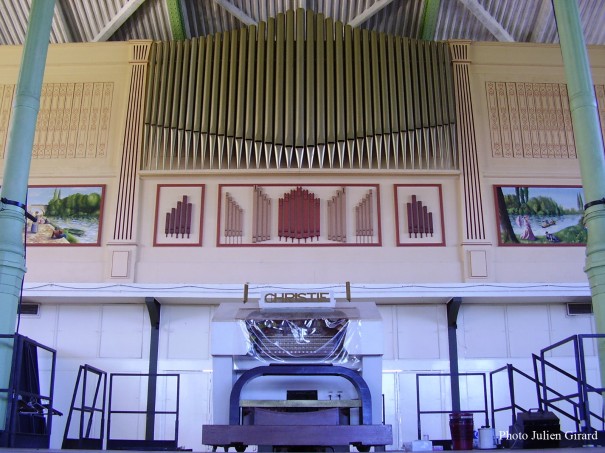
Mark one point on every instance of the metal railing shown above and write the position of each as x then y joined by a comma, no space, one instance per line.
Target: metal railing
150,413
29,409
511,372
547,397
87,411
582,415
421,412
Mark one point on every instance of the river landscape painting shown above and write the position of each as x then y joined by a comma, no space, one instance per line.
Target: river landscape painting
540,215
65,215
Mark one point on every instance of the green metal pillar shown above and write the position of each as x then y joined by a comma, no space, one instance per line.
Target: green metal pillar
14,182
589,146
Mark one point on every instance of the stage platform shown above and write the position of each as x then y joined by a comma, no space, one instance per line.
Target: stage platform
533,450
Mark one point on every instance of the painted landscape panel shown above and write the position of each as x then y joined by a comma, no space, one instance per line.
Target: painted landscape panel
540,215
66,215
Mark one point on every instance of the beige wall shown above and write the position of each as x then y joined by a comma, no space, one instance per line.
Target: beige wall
140,261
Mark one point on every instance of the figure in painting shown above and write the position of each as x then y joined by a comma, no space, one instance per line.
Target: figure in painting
34,226
552,238
528,233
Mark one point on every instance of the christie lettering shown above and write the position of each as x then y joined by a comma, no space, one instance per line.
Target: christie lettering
297,297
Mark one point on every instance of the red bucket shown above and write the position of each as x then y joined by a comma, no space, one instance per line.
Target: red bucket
461,427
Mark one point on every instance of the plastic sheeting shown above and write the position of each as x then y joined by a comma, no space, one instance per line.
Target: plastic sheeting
318,336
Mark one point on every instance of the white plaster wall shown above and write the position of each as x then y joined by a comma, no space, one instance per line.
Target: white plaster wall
115,338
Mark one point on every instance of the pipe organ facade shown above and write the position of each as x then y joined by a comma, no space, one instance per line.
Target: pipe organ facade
300,91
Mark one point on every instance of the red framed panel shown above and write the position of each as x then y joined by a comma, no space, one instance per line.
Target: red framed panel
301,215
179,213
419,219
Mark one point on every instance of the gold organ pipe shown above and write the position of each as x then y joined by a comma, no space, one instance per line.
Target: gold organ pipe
358,84
430,82
199,101
415,86
409,102
259,91
279,80
208,46
339,68
216,82
184,96
427,75
393,91
349,90
192,85
270,82
311,86
241,101
176,91
168,79
437,83
320,109
290,93
330,89
299,98
249,93
384,84
400,82
376,95
367,82
167,112
224,95
231,101
451,110
421,74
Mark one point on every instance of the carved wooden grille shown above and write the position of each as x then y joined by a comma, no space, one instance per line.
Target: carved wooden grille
531,120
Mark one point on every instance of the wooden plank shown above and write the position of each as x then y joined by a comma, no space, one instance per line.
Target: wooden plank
300,403
306,435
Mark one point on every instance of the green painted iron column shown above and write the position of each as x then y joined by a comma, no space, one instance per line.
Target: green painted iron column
16,174
589,146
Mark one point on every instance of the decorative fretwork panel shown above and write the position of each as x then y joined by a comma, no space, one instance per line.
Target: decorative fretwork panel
532,120
299,91
73,120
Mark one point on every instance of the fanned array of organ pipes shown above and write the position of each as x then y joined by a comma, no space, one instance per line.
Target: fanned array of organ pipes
299,91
